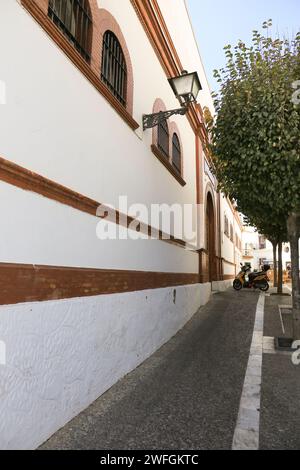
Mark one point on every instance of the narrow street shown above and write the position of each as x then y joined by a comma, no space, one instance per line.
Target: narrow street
186,396
150,203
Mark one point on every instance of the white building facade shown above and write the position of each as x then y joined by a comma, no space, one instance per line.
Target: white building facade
258,250
78,313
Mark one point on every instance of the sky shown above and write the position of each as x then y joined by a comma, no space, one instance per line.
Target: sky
220,22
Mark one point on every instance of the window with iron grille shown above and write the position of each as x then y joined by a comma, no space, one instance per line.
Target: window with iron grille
113,68
226,226
73,18
163,137
176,153
262,242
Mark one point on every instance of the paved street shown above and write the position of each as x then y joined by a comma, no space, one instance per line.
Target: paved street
187,395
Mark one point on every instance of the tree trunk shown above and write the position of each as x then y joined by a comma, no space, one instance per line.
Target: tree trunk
275,243
280,273
294,232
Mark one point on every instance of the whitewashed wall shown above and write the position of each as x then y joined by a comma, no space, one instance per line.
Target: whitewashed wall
230,251
62,355
41,231
68,132
180,25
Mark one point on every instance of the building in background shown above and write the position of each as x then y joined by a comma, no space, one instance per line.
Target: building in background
258,250
231,233
78,313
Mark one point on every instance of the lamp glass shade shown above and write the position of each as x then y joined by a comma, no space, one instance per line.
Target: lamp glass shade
186,87
196,87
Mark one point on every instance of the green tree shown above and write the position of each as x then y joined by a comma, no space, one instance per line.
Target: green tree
255,139
276,232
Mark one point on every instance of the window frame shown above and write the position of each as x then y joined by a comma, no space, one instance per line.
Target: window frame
82,21
262,242
38,9
178,149
165,157
163,138
113,71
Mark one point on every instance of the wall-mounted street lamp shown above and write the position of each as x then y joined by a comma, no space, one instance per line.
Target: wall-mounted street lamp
186,88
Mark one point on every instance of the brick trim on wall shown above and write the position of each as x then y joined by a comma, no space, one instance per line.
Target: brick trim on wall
33,283
210,190
107,22
20,177
162,158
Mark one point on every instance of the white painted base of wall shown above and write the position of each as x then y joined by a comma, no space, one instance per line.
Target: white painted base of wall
62,355
221,286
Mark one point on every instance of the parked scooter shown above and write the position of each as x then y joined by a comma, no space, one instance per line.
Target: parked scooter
252,280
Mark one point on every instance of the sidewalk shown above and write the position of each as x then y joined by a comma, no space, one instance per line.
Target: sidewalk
280,412
187,395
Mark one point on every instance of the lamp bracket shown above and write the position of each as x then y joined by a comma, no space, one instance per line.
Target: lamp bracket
152,120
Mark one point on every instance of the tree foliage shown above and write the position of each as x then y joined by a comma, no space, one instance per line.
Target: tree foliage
255,139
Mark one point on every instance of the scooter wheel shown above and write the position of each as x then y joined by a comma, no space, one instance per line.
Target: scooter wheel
264,287
237,285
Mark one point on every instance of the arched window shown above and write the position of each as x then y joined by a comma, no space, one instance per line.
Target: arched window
73,18
163,137
176,153
113,67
